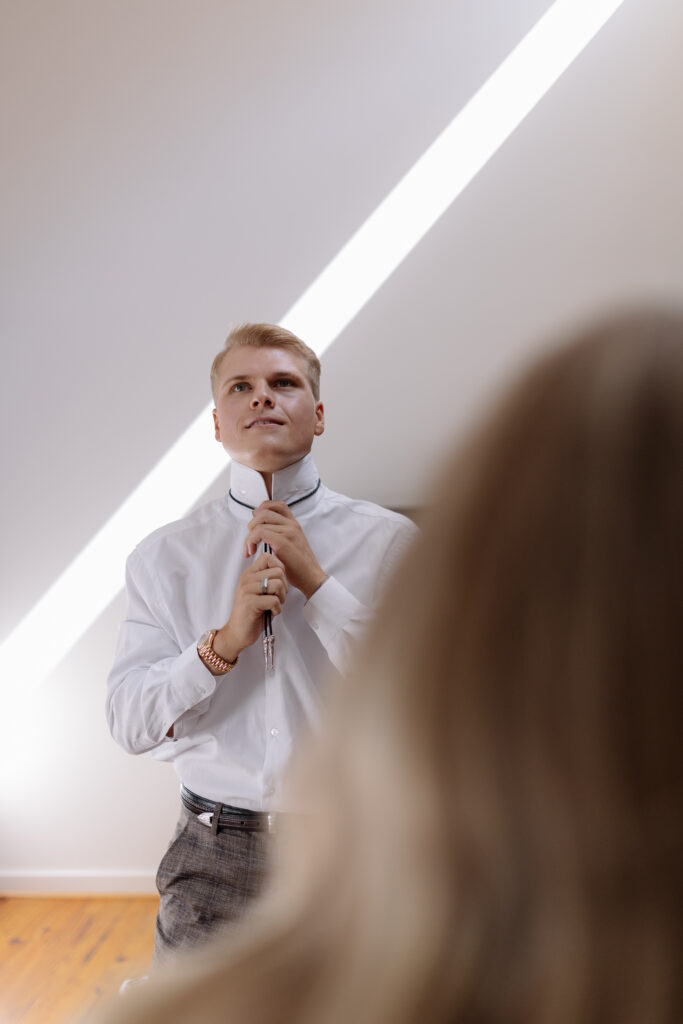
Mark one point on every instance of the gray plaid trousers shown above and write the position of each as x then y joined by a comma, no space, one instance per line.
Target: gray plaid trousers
205,882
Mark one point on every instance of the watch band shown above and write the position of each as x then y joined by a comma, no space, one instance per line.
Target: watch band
210,658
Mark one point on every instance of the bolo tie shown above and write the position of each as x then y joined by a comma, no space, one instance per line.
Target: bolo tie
268,638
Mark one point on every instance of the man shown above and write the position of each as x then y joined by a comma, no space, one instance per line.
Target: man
190,681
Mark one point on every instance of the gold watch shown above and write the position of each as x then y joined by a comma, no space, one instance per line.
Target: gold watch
211,659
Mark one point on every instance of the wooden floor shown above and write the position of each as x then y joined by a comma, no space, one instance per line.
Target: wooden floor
59,958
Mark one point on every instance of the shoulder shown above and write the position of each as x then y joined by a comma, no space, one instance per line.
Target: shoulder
369,514
198,527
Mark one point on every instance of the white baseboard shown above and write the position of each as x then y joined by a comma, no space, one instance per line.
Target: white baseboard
85,882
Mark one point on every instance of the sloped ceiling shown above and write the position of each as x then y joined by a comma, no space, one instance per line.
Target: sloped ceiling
173,169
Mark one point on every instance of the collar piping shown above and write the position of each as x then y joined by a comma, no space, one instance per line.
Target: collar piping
290,504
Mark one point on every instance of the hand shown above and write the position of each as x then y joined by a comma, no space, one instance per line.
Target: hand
274,523
245,624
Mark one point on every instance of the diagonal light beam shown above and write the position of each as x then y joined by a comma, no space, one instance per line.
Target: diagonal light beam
89,583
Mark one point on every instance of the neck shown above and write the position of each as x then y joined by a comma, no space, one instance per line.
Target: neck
268,481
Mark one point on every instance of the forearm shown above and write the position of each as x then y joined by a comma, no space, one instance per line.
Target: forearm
339,620
227,644
144,700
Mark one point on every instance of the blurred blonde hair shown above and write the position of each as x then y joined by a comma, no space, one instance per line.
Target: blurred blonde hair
498,789
269,336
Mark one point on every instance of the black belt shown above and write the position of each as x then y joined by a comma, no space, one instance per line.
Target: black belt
216,815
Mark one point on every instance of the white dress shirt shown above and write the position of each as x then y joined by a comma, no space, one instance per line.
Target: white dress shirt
233,735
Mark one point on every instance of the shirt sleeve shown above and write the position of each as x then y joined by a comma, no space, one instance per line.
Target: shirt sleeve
153,684
339,619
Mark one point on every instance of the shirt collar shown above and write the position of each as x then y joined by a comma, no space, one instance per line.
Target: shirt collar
290,483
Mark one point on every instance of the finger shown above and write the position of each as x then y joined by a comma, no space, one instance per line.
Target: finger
274,595
250,549
269,518
279,511
266,560
274,577
269,603
273,572
272,535
271,584
279,507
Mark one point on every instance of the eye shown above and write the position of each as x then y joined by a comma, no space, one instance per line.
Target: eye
284,382
241,385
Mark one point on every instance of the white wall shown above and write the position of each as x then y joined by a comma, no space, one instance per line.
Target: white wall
170,170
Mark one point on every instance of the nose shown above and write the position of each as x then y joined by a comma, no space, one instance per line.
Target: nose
261,396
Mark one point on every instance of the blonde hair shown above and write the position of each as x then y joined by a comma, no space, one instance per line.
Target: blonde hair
273,336
498,788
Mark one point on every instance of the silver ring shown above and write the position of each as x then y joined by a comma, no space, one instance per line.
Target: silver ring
264,585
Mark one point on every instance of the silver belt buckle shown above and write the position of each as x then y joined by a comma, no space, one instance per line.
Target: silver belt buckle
206,818
271,820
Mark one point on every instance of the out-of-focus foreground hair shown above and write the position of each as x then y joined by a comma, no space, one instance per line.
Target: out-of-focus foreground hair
269,336
498,791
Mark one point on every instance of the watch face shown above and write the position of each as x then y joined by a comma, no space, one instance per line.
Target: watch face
206,639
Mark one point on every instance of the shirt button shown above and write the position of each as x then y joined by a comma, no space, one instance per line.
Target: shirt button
314,625
274,732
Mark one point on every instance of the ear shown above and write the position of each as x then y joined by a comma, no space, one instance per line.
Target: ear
216,427
319,420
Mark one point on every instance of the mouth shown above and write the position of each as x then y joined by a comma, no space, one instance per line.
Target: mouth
264,421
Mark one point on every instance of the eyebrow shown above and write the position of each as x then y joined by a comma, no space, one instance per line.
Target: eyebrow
275,375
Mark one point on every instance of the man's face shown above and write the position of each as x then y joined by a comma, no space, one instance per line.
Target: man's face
266,416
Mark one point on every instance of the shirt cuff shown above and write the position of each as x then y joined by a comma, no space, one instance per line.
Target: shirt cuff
191,685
